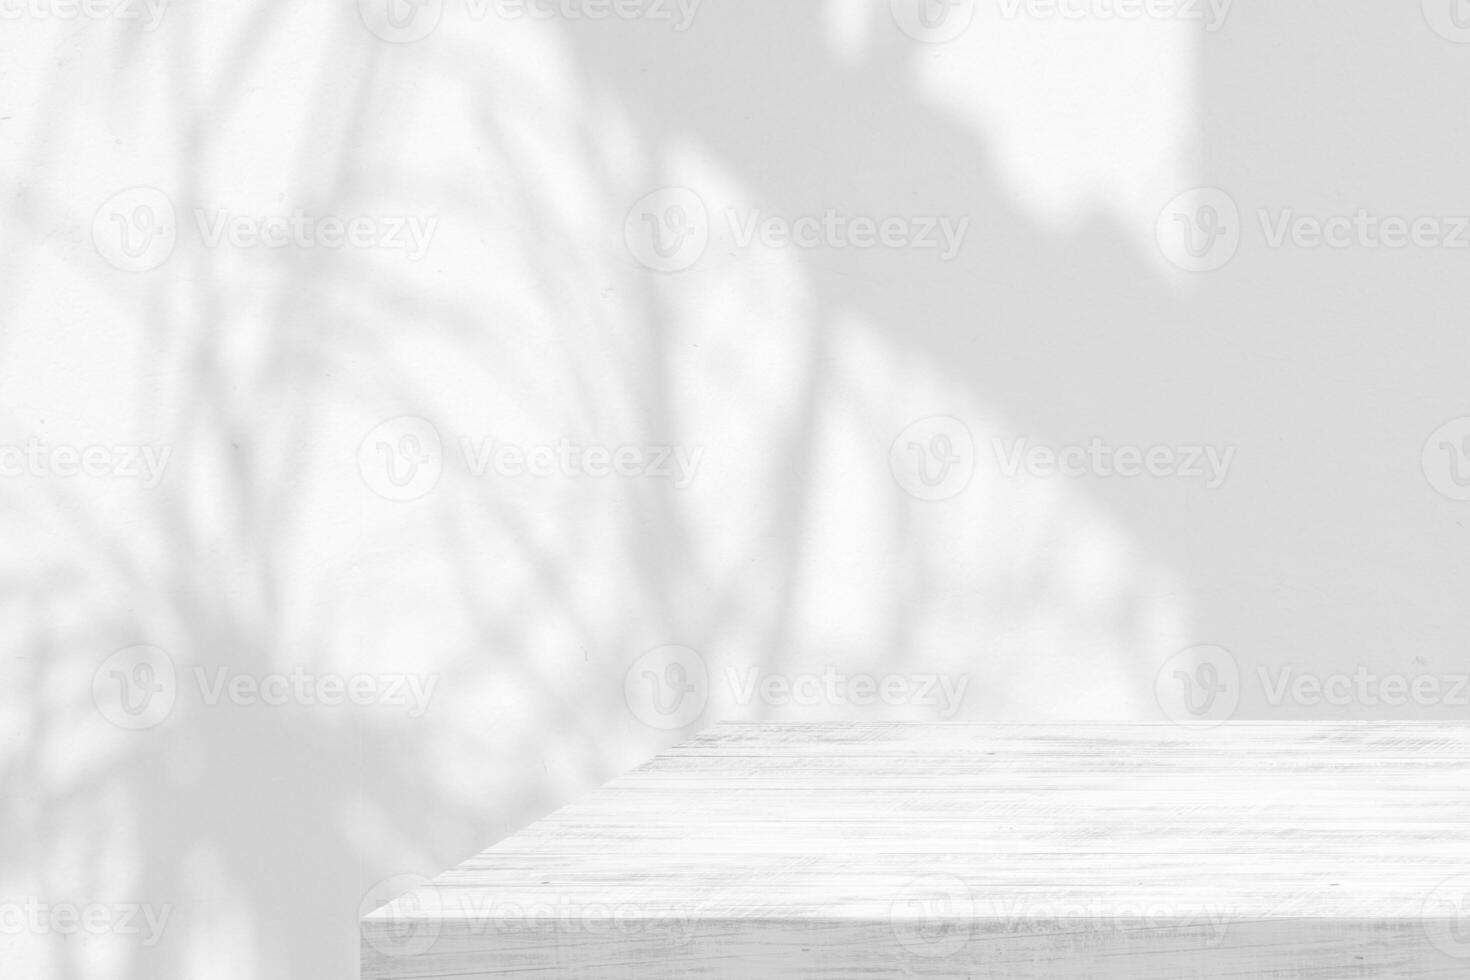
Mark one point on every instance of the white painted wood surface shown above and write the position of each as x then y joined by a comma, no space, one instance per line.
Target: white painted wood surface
1050,851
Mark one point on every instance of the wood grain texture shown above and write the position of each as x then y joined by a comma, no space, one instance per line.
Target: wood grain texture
1056,851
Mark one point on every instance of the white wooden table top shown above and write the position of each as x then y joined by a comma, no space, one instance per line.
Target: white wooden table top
951,850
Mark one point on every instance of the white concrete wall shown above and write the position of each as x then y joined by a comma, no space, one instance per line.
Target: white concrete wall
328,511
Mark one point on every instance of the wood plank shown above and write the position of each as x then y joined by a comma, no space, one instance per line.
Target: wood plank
1051,851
